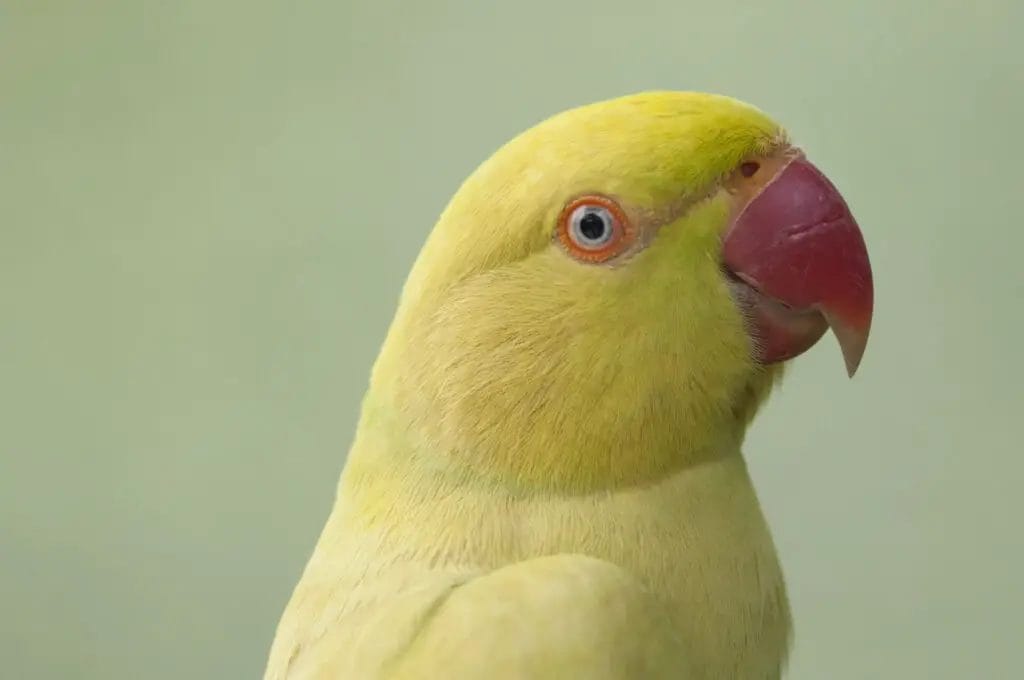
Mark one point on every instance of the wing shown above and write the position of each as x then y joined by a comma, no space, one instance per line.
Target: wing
564,616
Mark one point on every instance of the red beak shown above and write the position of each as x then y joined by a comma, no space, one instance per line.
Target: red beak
803,265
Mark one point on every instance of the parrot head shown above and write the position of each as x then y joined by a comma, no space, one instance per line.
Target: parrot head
613,293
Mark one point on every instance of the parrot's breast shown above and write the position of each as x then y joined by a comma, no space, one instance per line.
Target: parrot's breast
697,541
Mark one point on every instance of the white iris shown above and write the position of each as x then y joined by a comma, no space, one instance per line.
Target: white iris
591,226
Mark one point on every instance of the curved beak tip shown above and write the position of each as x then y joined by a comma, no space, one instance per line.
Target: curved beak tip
852,342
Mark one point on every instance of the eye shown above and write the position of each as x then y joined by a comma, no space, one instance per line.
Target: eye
750,168
591,226
594,229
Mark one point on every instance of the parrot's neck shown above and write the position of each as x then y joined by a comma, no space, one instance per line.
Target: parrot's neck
696,537
391,461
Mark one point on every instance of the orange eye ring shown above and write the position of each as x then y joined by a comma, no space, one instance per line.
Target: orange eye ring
594,229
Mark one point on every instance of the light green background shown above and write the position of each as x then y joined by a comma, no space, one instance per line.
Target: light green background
206,213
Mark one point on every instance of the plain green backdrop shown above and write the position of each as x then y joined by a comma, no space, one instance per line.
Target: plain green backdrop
207,210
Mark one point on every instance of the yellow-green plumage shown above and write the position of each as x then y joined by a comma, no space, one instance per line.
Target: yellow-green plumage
546,481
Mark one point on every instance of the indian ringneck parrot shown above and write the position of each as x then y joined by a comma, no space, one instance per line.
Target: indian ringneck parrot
546,480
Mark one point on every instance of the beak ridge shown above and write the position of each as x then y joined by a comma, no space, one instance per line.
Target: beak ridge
795,243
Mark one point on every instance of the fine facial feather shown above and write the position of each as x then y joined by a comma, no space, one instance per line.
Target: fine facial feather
504,349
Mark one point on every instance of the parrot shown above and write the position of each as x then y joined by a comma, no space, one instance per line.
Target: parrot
547,478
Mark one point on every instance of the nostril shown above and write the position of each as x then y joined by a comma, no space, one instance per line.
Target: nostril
750,168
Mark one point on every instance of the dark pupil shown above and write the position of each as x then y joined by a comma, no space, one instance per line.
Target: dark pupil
592,226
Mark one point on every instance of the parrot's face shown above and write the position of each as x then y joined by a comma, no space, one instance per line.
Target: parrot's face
611,295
